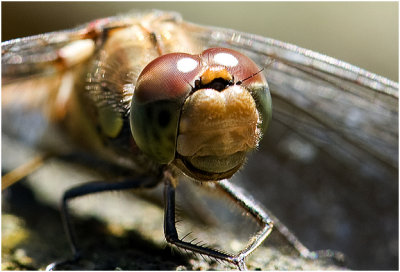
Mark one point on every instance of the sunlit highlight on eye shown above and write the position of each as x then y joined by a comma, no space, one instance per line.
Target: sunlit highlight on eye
226,59
186,65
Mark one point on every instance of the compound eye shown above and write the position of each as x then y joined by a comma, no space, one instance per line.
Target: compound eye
237,64
156,104
167,77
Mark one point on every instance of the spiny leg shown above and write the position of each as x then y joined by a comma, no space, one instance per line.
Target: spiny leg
171,234
90,188
235,191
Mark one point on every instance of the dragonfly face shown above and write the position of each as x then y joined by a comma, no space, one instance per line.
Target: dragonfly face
194,111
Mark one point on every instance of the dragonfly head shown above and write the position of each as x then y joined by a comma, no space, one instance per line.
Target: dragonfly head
203,113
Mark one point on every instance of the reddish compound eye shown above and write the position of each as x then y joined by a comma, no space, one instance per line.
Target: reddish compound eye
168,77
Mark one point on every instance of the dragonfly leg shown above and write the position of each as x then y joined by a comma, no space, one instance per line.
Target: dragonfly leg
260,213
247,203
171,235
90,188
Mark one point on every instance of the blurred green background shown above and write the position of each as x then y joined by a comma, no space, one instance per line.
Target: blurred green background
362,33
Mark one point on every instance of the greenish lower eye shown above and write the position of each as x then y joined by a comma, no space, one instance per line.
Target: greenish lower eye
155,126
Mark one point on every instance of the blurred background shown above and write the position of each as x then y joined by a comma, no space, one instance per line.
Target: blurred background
361,33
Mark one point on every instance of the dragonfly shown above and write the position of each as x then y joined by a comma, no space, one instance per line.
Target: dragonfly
326,113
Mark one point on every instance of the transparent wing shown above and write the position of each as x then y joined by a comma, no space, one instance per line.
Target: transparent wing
36,55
